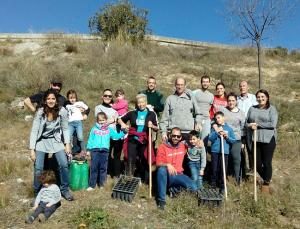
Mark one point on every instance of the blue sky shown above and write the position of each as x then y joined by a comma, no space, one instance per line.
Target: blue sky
199,20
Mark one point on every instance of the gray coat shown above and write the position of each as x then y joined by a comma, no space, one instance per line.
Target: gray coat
39,122
179,112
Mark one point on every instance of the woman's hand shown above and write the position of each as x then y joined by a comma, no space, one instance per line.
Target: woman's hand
32,155
253,126
68,148
201,172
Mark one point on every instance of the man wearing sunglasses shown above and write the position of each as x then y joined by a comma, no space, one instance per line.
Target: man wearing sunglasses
169,159
56,85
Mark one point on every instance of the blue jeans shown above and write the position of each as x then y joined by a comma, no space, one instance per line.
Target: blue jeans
164,181
206,127
62,161
48,211
195,169
76,126
98,172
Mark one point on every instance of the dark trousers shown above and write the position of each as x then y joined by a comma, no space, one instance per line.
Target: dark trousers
47,211
235,159
217,169
98,171
115,163
136,159
264,156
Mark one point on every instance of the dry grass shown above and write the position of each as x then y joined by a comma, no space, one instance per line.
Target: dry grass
90,67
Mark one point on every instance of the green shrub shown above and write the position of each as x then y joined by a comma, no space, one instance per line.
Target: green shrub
120,20
92,218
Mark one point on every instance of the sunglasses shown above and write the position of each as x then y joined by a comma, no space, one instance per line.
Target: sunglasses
175,136
107,96
56,84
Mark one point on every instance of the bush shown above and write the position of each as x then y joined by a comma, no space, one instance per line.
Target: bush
91,218
121,21
278,51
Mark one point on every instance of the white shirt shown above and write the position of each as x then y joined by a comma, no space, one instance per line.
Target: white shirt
245,102
74,113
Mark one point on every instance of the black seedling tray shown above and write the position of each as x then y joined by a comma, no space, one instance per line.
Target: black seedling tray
125,188
210,197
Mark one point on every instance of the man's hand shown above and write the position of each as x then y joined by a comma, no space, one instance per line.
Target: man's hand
171,170
84,116
198,127
201,172
68,148
32,155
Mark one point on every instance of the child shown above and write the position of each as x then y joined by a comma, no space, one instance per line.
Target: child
220,129
75,109
47,200
196,158
98,147
121,104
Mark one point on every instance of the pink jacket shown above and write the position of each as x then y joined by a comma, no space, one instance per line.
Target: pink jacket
121,106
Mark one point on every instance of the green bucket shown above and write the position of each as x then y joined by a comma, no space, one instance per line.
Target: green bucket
79,175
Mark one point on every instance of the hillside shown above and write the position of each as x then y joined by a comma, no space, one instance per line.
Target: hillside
91,66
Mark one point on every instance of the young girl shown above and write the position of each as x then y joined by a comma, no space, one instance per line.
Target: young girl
121,104
75,116
47,200
98,147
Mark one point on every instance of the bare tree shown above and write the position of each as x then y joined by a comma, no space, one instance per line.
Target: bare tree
255,20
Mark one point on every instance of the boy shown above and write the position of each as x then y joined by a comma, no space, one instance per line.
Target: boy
196,158
219,129
47,200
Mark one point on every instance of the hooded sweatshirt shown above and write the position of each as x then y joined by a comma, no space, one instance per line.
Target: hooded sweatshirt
169,154
179,112
100,136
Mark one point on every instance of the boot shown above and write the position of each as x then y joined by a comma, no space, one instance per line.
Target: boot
265,189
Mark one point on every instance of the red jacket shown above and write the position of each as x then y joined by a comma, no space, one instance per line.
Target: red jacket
143,139
174,155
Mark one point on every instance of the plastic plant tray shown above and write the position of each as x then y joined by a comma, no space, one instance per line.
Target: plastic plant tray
125,188
210,197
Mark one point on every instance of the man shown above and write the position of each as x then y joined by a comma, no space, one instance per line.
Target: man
245,101
203,100
56,85
170,156
154,97
178,111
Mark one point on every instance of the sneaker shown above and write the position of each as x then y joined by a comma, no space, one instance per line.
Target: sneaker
68,196
90,189
29,219
161,205
42,218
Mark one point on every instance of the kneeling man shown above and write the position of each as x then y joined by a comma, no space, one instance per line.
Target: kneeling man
170,155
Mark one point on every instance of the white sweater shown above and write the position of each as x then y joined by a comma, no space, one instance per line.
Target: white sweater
74,113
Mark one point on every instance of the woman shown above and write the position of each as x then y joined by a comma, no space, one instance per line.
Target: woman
140,120
263,118
235,118
220,100
50,134
114,162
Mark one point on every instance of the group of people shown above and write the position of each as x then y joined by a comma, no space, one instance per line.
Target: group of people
192,124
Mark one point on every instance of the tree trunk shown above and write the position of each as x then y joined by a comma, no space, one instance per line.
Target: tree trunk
260,77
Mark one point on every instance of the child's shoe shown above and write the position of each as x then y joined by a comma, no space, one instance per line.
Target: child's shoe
90,189
42,218
29,219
